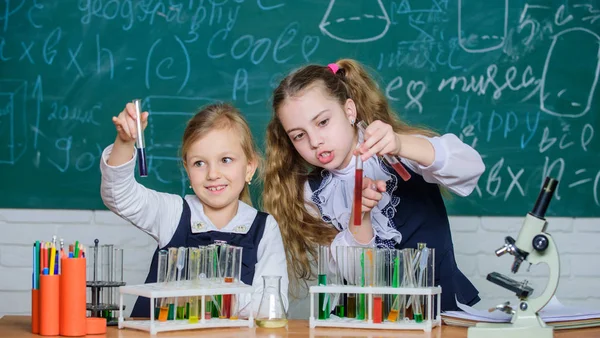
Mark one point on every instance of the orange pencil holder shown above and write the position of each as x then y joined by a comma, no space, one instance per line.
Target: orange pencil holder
35,311
72,310
49,297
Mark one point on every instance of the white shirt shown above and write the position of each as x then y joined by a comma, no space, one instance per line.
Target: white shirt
158,214
456,166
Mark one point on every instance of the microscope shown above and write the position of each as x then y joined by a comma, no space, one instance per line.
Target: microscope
533,245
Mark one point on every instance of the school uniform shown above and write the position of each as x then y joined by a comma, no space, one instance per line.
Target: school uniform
174,221
409,212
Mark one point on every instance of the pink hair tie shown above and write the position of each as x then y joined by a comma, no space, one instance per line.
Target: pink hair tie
334,67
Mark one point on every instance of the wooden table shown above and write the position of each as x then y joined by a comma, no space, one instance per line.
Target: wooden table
20,326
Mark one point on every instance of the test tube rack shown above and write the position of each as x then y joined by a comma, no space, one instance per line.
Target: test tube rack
432,295
96,307
186,288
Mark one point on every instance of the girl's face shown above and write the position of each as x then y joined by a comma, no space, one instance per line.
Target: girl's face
319,127
218,169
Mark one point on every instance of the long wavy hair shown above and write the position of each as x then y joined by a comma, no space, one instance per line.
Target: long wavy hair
287,172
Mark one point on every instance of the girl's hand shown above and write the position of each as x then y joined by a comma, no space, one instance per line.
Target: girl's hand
379,139
371,194
126,124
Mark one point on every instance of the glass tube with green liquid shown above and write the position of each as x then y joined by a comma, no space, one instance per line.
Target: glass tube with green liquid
194,273
216,278
181,276
171,278
322,276
368,279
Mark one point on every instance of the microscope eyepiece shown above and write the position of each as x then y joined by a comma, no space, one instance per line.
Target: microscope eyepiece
544,198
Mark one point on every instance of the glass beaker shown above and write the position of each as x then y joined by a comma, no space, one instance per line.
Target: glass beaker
271,312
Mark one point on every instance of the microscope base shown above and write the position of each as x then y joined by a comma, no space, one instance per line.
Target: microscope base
520,328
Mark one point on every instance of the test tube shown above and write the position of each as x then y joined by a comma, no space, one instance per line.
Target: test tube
365,279
358,182
140,142
226,267
217,276
409,281
342,275
171,277
95,275
322,276
391,160
379,281
237,274
206,275
117,271
351,280
161,308
106,265
181,276
194,272
397,277
425,277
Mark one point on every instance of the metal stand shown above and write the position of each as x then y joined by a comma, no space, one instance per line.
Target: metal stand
97,308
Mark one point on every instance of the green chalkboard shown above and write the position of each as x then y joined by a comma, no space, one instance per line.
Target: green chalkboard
515,80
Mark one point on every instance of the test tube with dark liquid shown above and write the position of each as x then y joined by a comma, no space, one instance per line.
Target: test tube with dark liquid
140,142
358,182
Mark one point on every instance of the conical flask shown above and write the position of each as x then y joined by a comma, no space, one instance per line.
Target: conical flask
353,21
271,312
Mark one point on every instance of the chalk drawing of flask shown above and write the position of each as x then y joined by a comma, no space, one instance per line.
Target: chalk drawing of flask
570,74
354,21
482,25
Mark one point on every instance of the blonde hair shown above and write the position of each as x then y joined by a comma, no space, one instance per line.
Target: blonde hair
287,172
219,116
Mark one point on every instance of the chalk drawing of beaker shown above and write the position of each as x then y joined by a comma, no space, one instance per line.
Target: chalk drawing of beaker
355,21
482,25
571,72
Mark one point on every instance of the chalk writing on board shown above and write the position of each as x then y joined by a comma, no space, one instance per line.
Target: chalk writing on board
571,102
474,37
522,90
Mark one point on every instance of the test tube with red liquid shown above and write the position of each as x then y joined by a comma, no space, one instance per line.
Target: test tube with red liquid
227,268
140,142
358,180
391,160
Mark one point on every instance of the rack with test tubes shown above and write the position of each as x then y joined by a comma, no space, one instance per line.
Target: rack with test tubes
197,287
105,273
376,288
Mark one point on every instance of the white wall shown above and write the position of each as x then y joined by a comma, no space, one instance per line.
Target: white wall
475,240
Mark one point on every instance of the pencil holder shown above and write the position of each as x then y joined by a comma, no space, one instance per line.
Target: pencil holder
72,309
49,304
35,311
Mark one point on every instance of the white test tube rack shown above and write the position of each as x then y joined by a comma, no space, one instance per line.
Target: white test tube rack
432,294
203,290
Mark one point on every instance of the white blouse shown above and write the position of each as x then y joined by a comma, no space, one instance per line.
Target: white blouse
456,166
158,214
